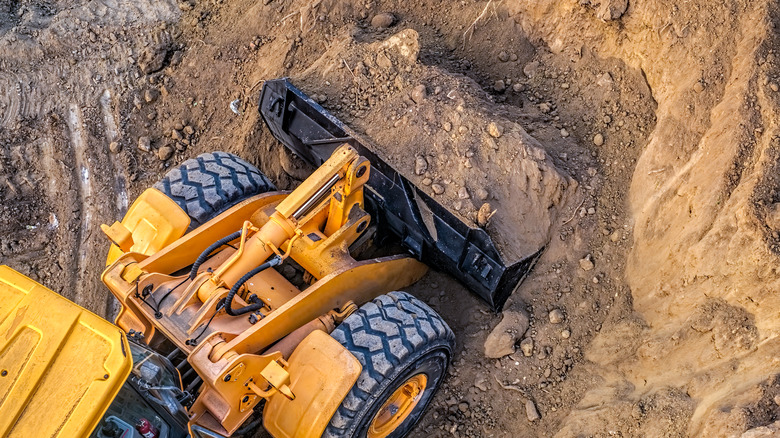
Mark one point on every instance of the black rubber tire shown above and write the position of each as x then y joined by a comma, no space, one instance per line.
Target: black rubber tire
395,336
211,183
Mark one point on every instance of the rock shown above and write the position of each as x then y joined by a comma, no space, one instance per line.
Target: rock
517,87
499,85
482,194
615,236
463,406
152,58
501,341
545,107
564,133
437,188
513,57
527,347
495,130
189,130
420,165
484,214
556,316
530,411
598,139
447,126
586,263
503,56
144,144
565,334
610,10
481,382
383,20
463,193
773,86
115,147
419,93
151,95
768,431
698,87
176,135
427,181
530,69
164,153
179,126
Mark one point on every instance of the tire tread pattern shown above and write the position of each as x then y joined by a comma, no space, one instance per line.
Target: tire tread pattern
210,183
383,334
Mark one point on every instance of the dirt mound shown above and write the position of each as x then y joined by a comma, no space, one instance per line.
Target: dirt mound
447,135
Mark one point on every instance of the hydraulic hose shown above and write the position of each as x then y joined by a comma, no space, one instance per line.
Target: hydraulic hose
254,306
205,254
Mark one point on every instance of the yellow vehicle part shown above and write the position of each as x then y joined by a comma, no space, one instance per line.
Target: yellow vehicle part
60,365
152,223
322,373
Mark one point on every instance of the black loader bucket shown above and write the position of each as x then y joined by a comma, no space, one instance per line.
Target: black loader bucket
426,229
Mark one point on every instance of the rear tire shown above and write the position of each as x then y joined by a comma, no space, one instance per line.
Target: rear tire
401,342
211,183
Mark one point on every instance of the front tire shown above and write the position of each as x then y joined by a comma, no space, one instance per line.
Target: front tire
405,348
211,183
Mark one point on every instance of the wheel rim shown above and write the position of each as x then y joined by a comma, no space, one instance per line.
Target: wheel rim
398,406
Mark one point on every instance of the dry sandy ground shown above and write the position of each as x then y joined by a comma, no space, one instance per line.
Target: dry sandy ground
637,141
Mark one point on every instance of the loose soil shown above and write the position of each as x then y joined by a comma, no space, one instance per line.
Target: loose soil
637,142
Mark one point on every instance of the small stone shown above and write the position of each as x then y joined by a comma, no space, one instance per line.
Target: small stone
503,56
545,107
499,85
144,144
598,139
591,210
178,126
151,95
463,193
383,20
513,57
482,194
530,69
115,147
427,181
164,153
447,126
482,383
463,406
698,87
517,87
527,347
176,135
556,316
484,215
419,93
565,334
420,165
530,411
564,133
586,263
437,189
495,130
777,400
501,341
773,86
615,236
189,130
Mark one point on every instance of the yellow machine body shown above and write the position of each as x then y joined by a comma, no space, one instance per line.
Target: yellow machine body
60,365
242,361
322,373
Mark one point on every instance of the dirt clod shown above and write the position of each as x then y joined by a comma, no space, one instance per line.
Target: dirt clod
495,130
144,144
383,20
586,263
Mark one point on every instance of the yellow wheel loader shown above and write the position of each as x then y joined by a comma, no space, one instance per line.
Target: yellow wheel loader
241,303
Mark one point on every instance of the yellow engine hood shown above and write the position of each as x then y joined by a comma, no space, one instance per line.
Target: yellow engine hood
60,365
